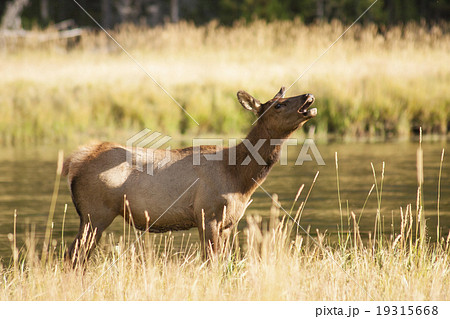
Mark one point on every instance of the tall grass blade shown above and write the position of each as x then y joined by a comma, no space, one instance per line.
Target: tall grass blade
51,212
438,227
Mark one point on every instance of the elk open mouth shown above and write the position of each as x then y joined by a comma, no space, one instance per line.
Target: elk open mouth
304,109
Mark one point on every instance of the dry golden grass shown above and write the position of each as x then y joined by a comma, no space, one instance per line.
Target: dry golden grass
370,83
269,265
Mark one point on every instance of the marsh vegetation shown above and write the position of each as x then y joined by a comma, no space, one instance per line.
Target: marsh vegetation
373,82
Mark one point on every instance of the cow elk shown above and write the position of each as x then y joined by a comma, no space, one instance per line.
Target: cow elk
211,195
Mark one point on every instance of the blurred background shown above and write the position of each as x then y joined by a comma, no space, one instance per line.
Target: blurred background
154,12
64,82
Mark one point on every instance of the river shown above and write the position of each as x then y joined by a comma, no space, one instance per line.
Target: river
27,178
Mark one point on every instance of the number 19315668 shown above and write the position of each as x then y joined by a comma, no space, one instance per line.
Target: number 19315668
407,310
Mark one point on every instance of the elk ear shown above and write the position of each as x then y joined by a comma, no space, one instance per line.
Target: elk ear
280,93
248,101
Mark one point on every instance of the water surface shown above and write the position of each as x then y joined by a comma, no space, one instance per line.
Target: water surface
27,180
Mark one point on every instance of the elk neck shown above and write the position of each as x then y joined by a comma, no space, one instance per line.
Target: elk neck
249,176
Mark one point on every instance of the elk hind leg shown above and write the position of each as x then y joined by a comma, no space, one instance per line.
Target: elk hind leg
89,233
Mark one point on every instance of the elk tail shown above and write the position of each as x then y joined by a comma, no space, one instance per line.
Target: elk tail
66,166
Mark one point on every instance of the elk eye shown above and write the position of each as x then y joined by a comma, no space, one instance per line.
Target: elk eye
279,105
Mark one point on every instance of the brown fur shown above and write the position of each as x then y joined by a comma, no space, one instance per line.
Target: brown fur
176,194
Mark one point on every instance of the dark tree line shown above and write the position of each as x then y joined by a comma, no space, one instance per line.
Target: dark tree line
153,12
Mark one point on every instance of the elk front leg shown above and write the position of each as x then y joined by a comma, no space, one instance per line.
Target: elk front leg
224,240
209,238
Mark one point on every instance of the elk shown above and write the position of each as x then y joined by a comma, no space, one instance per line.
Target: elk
181,194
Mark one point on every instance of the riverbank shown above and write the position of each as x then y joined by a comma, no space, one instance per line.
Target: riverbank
371,84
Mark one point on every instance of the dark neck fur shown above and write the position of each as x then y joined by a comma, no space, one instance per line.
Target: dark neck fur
248,174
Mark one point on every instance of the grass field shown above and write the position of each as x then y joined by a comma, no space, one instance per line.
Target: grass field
372,83
271,264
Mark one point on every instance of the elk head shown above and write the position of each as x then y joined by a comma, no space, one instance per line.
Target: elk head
281,116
